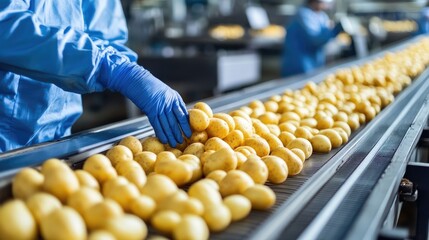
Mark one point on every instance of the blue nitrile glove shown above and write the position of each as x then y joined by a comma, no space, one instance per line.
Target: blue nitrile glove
338,28
163,106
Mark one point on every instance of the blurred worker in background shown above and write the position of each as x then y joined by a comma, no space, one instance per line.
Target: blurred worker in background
423,21
307,34
54,51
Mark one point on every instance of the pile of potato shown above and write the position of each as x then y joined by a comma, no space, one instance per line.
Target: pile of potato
223,165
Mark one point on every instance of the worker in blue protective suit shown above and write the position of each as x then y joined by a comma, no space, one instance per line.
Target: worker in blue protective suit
306,35
54,51
423,21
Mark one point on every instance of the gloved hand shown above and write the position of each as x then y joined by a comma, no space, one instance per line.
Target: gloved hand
162,105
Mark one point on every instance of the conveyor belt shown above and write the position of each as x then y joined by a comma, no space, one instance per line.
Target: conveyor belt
316,180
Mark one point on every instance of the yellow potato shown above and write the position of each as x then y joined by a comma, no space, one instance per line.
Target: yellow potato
132,143
239,206
259,127
334,137
195,164
119,153
127,227
256,104
204,107
235,182
165,221
159,187
200,137
289,116
341,116
182,204
321,144
110,184
293,162
86,179
132,171
217,217
100,167
287,127
41,204
343,134
175,151
302,144
210,182
286,137
152,144
325,123
146,160
353,122
234,139
178,171
223,159
26,183
52,164
256,112
303,132
198,120
277,169
16,221
241,158
165,156
196,149
274,129
271,105
205,155
216,144
227,118
191,227
299,153
246,150
269,118
217,128
123,194
344,126
272,140
63,223
61,182
242,114
243,125
217,176
261,197
260,145
97,215
256,169
143,207
310,122
206,193
83,199
101,235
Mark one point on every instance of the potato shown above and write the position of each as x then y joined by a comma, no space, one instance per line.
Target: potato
83,199
212,183
261,197
175,151
205,155
302,144
293,162
63,223
334,137
277,169
203,191
182,204
321,144
101,235
205,108
178,171
127,227
246,150
159,187
303,132
61,183
242,114
165,221
287,127
143,207
256,169
353,122
343,134
274,129
299,153
200,137
146,160
241,158
235,182
310,122
119,153
227,118
132,171
152,144
196,149
234,139
269,118
288,116
96,216
286,137
132,143
164,156
217,217
223,159
244,126
195,164
198,120
217,176
16,221
123,194
341,116
272,140
217,128
86,179
216,144
191,227
100,167
52,164
109,185
260,145
239,206
41,204
344,126
26,183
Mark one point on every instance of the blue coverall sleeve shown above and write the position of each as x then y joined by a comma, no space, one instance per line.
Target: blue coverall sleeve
66,57
316,33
